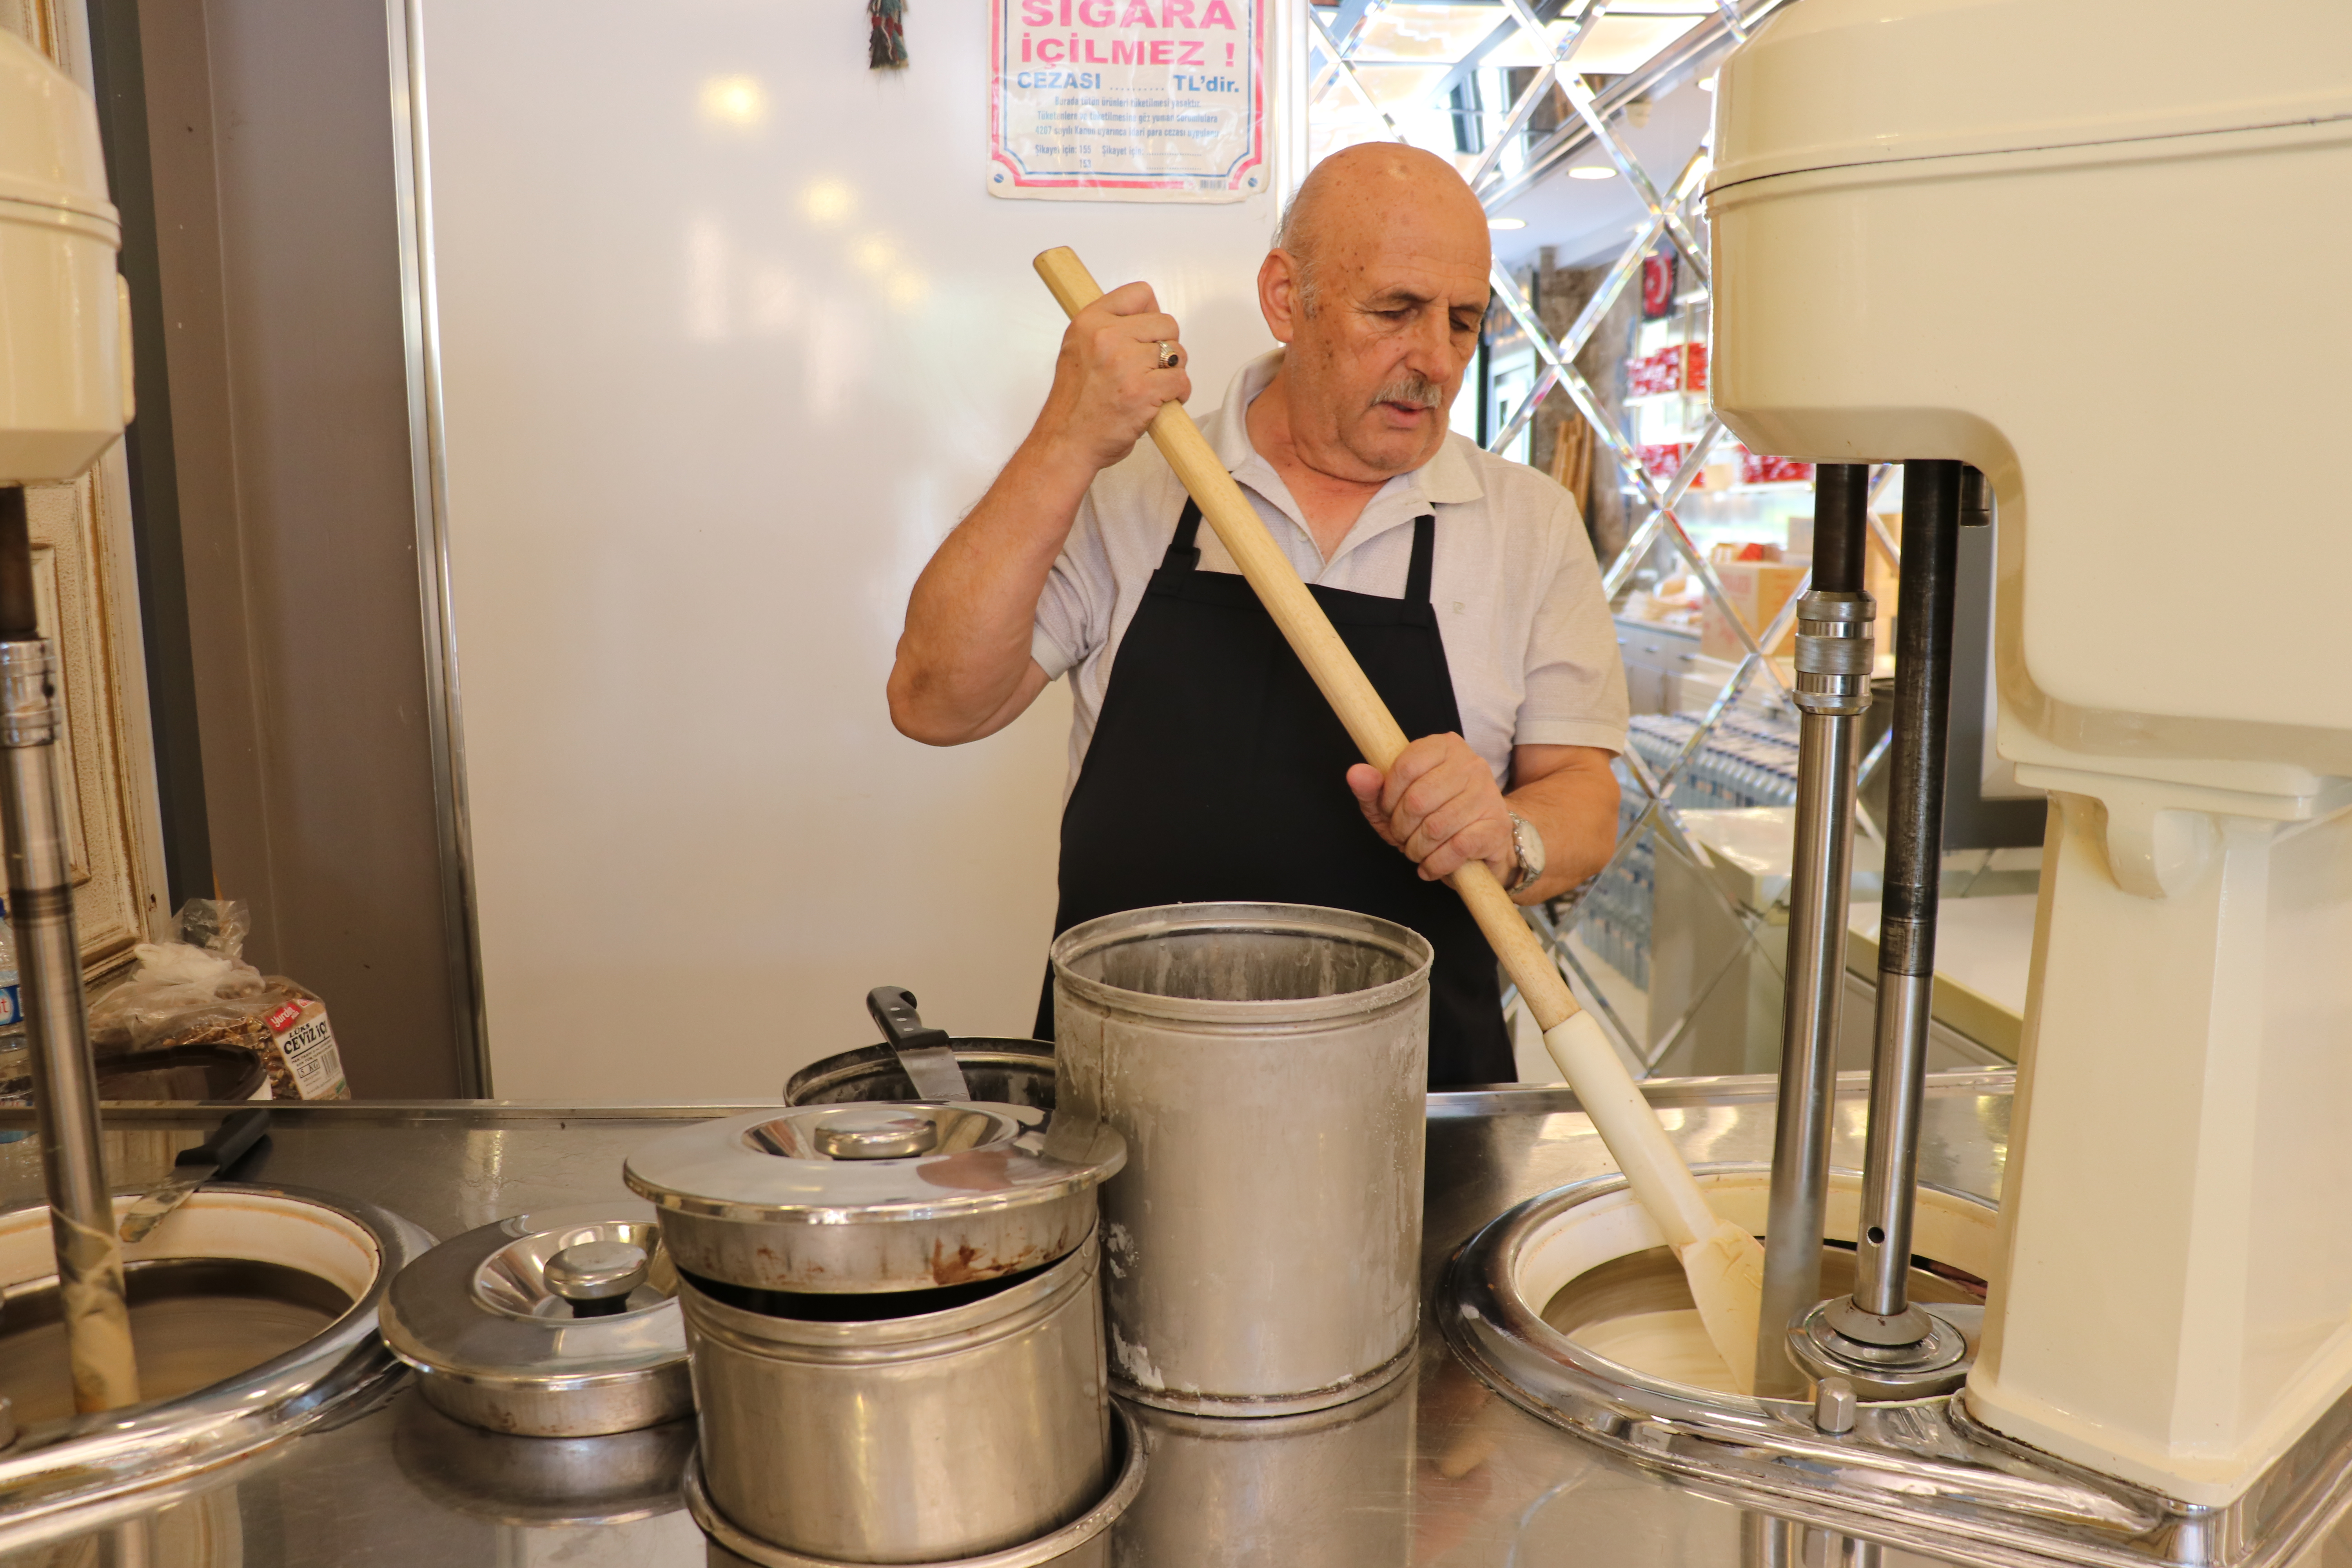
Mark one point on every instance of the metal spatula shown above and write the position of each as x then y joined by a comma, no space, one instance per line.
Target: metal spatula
237,1133
923,1051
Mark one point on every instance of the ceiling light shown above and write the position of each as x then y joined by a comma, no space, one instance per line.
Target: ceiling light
734,100
1592,172
1707,84
1507,223
828,201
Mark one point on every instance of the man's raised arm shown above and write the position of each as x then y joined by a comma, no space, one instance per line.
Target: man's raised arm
963,669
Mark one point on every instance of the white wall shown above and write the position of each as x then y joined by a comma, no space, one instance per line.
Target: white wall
713,392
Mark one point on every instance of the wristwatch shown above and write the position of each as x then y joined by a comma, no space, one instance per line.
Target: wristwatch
1528,845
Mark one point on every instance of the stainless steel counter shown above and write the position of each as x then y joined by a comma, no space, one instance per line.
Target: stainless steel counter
1442,1472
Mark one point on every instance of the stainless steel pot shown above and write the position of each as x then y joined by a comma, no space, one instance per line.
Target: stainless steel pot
872,1198
896,1326
1268,1066
921,1438
996,1070
482,1319
541,1481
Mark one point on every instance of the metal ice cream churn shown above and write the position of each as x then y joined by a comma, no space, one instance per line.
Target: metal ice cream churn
895,1320
1267,1064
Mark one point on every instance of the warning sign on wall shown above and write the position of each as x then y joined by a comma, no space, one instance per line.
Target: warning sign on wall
1128,99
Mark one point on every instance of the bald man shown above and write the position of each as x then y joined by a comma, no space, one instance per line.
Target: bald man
1203,763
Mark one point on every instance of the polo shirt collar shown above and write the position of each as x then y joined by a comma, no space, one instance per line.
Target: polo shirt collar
1448,479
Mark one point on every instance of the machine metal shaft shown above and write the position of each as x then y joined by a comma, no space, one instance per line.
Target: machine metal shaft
1881,1311
1766,1541
96,1314
1835,655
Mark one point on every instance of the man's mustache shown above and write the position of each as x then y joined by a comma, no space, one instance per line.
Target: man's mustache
1413,390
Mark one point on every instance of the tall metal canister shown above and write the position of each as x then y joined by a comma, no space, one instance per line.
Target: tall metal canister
1330,1489
1266,1064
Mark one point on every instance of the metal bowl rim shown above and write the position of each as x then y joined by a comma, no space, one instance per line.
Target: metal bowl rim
1304,1013
563,1382
638,1477
1068,1538
711,1152
1258,1407
1215,1427
1481,1312
980,1050
991,1318
159,1450
666,1393
395,1251
753,1214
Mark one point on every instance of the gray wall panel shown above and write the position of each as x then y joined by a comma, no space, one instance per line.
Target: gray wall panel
273,148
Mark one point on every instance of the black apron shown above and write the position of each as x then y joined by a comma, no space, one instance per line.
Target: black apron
1217,772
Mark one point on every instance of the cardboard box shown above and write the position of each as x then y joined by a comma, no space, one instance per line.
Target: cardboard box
1757,590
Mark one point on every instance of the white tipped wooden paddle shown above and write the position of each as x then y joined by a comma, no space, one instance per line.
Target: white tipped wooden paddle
1722,1262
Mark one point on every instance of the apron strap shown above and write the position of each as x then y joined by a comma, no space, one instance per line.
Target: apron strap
1417,607
1184,555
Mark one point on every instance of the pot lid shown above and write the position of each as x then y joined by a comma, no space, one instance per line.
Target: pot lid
567,1301
874,1162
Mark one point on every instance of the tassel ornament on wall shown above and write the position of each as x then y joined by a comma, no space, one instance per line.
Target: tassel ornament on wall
886,34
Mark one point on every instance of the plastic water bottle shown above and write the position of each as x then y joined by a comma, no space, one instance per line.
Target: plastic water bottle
12,1001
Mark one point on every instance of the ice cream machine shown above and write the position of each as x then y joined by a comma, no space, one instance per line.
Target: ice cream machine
65,396
2096,254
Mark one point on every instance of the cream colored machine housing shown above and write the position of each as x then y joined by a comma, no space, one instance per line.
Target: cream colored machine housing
64,333
2100,252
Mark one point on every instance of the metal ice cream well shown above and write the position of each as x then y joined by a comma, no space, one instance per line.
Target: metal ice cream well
254,1312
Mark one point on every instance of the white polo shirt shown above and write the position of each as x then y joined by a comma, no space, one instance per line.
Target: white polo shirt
1527,635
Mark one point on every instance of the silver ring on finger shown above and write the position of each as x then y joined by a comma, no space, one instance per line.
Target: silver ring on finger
1169,356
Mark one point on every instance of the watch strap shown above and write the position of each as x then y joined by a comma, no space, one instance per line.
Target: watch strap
1530,868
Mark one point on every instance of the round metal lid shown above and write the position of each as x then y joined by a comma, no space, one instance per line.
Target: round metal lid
523,1313
874,1162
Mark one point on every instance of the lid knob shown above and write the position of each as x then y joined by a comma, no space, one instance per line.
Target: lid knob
596,1277
875,1133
